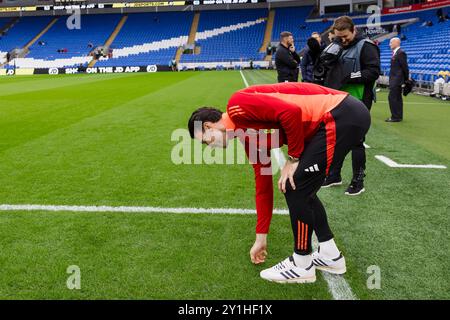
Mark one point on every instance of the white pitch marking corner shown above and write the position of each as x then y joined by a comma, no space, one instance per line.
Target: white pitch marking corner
391,163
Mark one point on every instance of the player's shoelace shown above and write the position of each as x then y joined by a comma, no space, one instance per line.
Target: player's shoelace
285,264
320,261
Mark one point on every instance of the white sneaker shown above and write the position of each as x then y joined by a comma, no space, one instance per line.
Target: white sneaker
335,266
287,272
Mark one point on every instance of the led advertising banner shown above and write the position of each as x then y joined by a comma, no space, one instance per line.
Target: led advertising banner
81,6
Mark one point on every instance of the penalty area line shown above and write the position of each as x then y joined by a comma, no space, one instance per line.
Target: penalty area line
129,209
391,163
243,78
338,286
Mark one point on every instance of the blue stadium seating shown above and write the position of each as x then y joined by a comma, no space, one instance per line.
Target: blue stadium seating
242,44
143,28
293,20
22,32
428,48
94,29
4,21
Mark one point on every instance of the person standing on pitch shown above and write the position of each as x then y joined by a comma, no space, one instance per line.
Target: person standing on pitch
356,70
286,59
398,74
320,126
309,58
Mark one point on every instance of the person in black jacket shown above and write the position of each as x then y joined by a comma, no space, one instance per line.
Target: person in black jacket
342,78
397,76
286,59
309,59
356,70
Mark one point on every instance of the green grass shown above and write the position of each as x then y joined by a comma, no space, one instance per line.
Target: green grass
106,140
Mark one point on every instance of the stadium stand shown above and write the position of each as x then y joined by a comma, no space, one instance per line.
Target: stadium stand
428,48
159,37
149,38
94,30
293,20
4,22
22,32
223,37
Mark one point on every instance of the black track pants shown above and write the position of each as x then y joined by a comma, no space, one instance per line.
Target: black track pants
341,130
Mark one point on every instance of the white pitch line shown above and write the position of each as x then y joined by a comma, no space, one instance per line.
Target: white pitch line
339,288
243,78
391,163
366,146
419,103
337,285
129,209
279,157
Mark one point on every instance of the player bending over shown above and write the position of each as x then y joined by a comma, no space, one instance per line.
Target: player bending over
319,126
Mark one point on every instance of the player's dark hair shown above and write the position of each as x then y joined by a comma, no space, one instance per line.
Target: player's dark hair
203,114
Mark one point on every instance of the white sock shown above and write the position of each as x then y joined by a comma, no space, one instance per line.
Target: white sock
302,261
329,249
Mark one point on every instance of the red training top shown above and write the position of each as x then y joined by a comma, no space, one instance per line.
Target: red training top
296,109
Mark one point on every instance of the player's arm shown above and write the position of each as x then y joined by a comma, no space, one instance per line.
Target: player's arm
403,60
264,206
263,196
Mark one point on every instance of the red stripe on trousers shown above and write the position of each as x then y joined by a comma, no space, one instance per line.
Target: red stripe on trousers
302,247
330,127
305,236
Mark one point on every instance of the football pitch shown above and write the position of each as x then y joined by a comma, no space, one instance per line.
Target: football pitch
105,140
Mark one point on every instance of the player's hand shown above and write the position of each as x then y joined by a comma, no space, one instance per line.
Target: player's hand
292,48
287,173
258,252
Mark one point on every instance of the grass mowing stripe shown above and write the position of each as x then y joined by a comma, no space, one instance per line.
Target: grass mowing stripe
35,83
265,77
338,286
62,107
424,125
122,158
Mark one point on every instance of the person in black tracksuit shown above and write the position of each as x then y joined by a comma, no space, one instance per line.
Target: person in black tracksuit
286,59
356,71
309,59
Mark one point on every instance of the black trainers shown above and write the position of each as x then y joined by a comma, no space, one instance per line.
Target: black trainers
331,181
355,188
